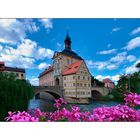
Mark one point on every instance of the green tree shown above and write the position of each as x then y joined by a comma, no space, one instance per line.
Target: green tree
138,65
14,94
129,83
96,82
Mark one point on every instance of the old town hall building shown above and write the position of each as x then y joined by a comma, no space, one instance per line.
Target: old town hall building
70,72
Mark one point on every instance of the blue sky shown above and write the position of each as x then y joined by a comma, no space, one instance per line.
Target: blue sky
110,47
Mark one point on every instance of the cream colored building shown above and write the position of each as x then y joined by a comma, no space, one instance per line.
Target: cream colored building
19,73
77,85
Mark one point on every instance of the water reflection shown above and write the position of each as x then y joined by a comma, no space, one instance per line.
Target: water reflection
46,104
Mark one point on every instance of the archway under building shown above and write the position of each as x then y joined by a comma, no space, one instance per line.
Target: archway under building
57,82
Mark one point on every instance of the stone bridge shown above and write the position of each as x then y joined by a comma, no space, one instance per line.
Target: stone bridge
98,92
55,91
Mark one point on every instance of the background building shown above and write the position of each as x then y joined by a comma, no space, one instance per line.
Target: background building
108,83
19,73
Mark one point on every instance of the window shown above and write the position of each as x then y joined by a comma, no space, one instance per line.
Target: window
65,85
77,84
88,78
83,77
73,77
85,85
74,84
64,78
22,74
89,85
78,77
81,84
68,61
17,74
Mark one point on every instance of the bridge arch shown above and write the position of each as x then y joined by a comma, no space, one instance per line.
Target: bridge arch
56,92
96,95
55,95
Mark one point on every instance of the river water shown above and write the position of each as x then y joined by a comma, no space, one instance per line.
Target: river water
47,104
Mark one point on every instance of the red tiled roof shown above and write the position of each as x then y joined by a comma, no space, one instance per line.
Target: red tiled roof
14,69
73,68
5,68
46,71
2,63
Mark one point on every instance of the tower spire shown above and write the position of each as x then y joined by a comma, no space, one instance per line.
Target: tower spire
67,42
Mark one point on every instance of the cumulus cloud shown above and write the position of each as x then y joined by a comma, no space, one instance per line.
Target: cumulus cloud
15,30
132,44
43,65
108,51
11,31
30,25
17,61
47,23
25,54
135,31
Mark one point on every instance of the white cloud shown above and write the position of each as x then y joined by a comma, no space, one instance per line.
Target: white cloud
30,25
44,53
89,62
15,30
132,68
98,65
131,58
111,66
43,65
1,48
108,51
100,77
135,31
119,58
113,63
101,65
47,23
17,61
132,44
25,54
58,46
34,81
116,29
114,78
11,31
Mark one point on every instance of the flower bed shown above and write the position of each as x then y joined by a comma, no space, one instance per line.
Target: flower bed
119,113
